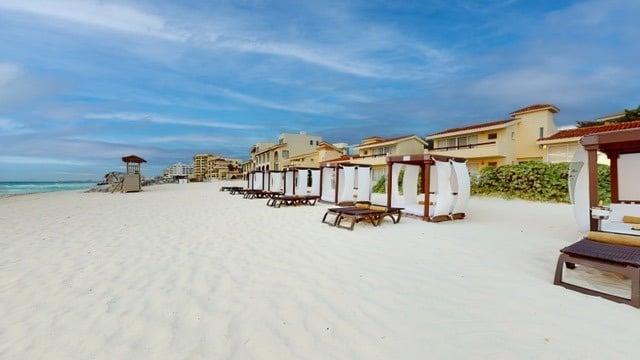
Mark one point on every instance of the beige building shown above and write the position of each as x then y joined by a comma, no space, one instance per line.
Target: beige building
373,151
508,141
561,146
207,167
270,156
324,152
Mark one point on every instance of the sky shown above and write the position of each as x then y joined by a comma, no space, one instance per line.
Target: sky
84,83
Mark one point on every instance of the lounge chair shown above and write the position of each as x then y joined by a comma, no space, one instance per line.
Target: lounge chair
353,214
622,257
292,200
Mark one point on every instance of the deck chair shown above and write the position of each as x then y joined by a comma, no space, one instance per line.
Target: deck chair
620,254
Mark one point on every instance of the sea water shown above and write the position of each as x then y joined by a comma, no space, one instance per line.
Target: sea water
29,187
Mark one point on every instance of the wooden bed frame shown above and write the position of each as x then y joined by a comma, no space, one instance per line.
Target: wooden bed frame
620,259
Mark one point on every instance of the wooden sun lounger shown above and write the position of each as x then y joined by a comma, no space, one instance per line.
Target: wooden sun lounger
256,194
237,191
292,200
351,215
230,188
620,259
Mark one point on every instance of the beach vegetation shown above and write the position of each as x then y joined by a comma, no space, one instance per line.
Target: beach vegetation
534,180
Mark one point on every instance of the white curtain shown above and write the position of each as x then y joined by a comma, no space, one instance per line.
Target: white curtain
396,199
347,180
463,183
315,182
445,196
328,184
276,181
289,182
364,183
302,182
410,184
258,181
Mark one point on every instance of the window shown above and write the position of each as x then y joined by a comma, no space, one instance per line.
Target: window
513,135
492,136
285,154
310,142
541,130
317,142
492,163
451,142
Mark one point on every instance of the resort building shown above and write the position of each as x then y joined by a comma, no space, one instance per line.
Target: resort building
373,151
508,141
561,146
178,170
324,152
207,167
269,156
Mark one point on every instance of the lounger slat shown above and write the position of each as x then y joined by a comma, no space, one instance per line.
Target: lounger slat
628,255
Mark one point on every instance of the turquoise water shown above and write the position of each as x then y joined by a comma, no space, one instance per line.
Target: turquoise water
29,187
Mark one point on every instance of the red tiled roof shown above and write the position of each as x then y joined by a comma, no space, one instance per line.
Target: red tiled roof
341,159
381,139
584,131
536,107
384,140
471,127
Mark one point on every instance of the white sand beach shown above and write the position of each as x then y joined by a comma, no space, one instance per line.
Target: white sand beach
189,272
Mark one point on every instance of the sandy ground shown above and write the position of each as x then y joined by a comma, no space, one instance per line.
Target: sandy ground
189,272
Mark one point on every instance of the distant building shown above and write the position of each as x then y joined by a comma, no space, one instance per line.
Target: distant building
323,152
207,167
178,171
267,156
373,151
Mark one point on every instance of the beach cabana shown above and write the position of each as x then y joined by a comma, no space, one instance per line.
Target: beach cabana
345,183
302,181
276,181
613,242
132,180
443,190
256,180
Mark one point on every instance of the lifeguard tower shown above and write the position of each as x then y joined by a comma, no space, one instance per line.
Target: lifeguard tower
132,180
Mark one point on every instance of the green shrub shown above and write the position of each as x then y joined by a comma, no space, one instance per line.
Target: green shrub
533,180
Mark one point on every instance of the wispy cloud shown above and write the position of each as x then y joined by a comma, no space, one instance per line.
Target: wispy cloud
30,160
160,119
101,14
309,106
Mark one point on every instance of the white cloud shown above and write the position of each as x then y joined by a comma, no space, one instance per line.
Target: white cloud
31,160
309,107
160,119
99,14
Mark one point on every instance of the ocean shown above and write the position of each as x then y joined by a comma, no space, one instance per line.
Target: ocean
30,187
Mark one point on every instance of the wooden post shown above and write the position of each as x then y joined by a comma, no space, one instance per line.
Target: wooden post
615,194
389,179
426,181
592,163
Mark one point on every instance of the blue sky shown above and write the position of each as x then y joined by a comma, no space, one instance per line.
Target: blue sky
83,83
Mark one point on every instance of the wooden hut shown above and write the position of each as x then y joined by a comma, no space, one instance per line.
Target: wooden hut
132,180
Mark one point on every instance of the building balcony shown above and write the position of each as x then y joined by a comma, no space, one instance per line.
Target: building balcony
471,151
